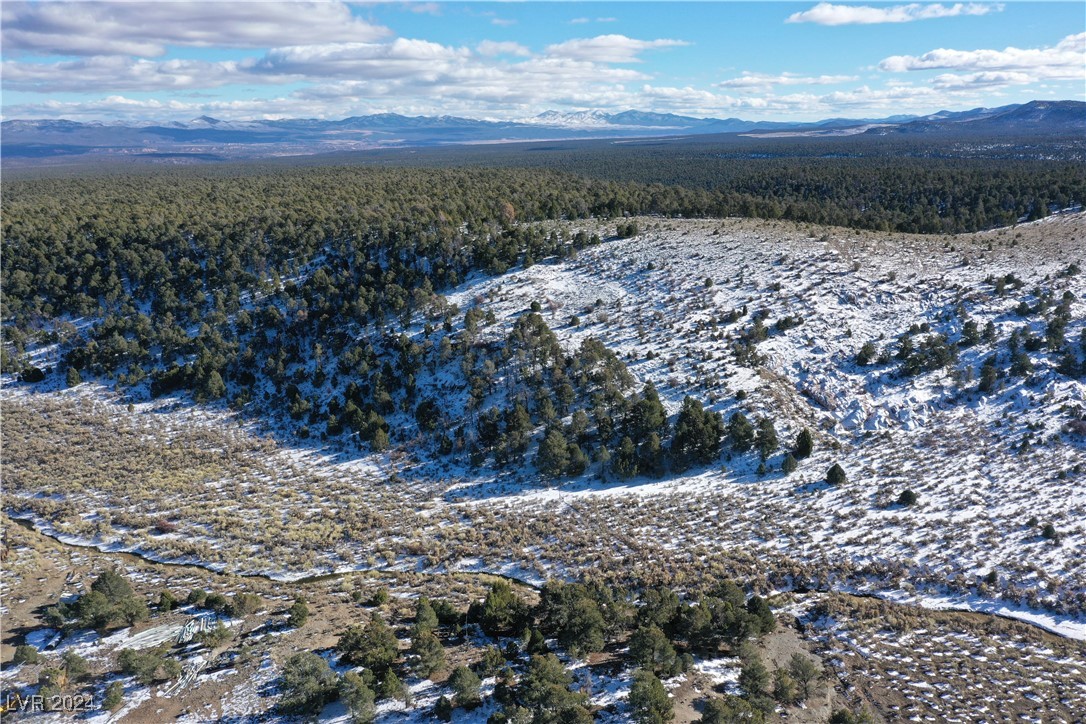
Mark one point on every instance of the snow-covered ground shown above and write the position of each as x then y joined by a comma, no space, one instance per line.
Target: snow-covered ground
661,301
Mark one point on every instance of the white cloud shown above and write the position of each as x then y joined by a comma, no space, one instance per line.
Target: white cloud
608,48
582,21
1064,61
830,14
762,80
146,28
503,22
402,57
981,80
115,73
507,47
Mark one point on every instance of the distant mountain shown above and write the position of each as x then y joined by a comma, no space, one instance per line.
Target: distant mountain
1035,117
205,137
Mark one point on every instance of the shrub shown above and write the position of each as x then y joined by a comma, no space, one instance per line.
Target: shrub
166,602
25,654
298,613
148,667
75,666
246,604
307,684
805,671
907,498
114,696
373,645
836,475
443,710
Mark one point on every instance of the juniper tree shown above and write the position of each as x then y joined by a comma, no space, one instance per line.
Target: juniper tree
429,654
697,435
553,457
805,671
804,444
766,441
649,700
740,432
358,697
465,685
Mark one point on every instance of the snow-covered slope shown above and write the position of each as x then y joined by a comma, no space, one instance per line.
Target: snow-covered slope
673,301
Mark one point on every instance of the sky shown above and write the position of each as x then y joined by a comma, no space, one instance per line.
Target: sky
240,60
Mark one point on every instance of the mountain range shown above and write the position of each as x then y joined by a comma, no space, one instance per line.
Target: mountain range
32,142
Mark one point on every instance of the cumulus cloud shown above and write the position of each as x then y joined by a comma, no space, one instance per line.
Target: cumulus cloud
402,57
979,81
146,28
1064,61
826,13
608,48
115,73
763,80
492,47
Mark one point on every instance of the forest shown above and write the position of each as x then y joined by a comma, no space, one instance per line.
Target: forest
290,293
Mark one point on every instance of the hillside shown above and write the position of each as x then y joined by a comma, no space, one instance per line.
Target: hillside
678,304
855,426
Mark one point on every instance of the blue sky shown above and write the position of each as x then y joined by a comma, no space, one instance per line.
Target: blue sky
768,60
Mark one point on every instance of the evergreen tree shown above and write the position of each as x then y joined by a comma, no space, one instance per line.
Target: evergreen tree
578,461
308,683
766,441
425,616
753,678
789,465
650,456
730,710
465,684
836,475
649,700
73,377
502,611
393,688
647,415
784,688
697,435
804,445
429,654
298,613
805,672
544,691
740,432
651,649
624,461
443,710
373,645
989,376
553,457
214,388
358,697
